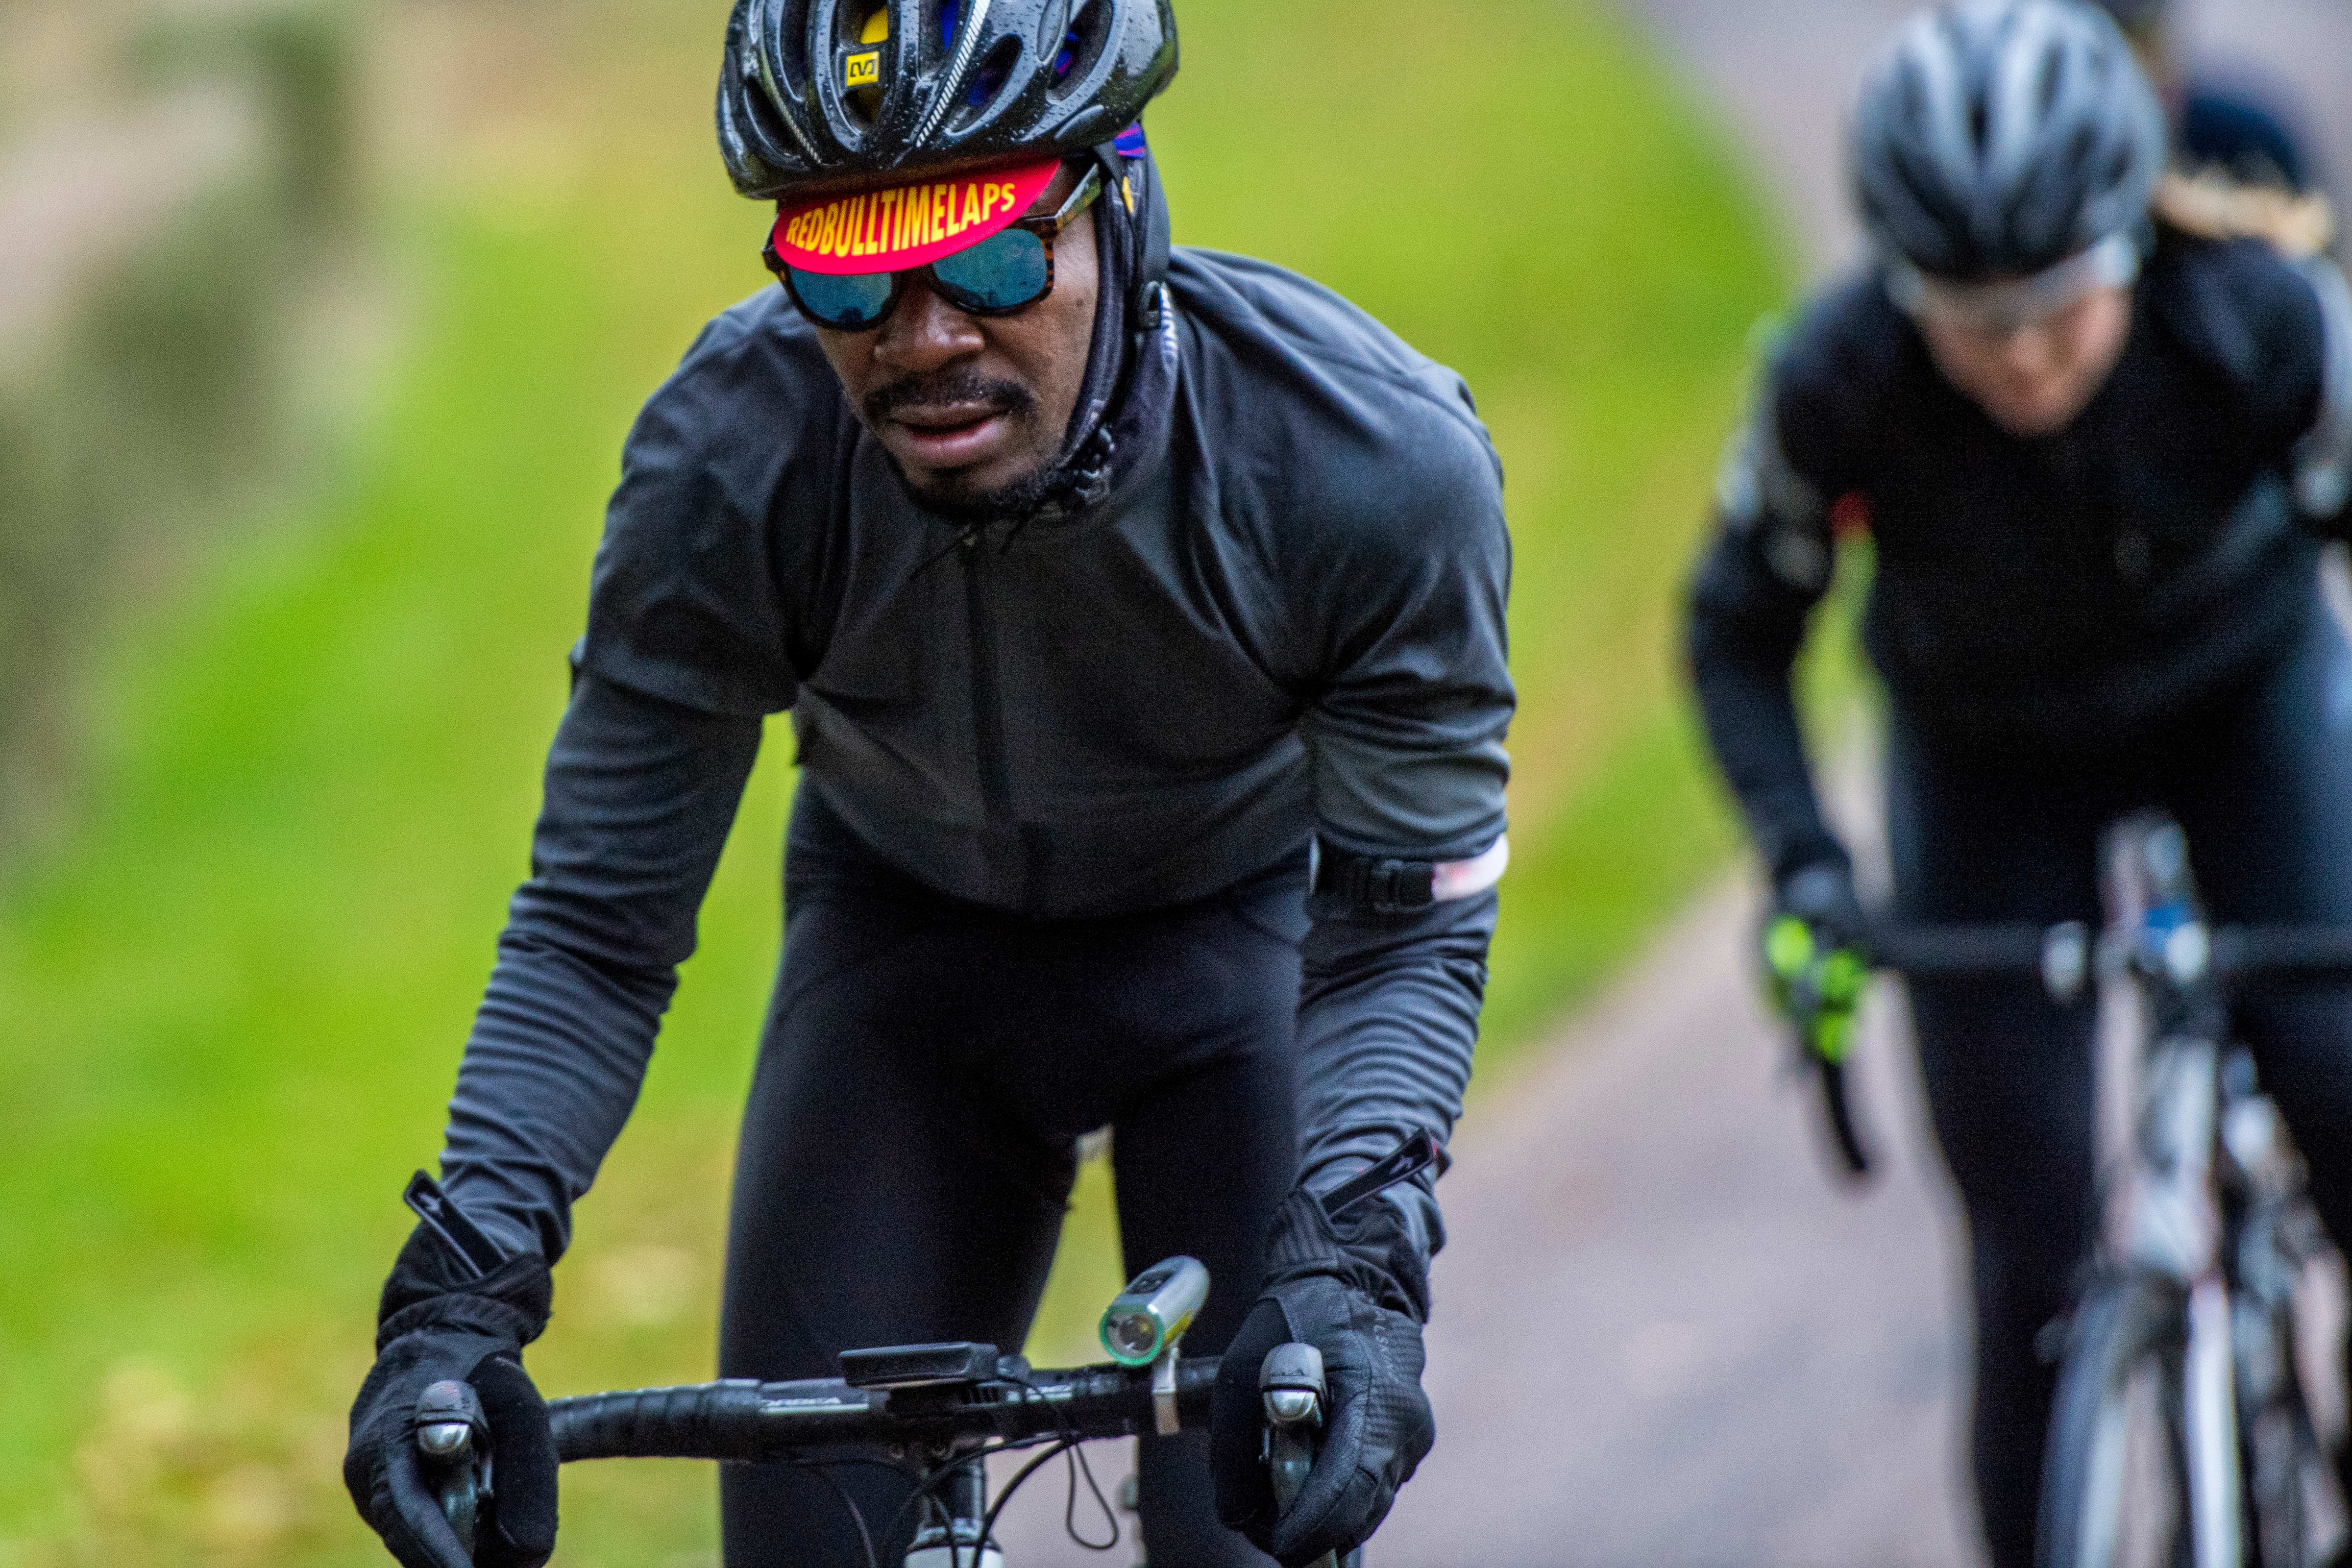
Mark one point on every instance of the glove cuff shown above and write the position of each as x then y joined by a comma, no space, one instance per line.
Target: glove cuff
513,1301
1822,894
1798,851
1367,1248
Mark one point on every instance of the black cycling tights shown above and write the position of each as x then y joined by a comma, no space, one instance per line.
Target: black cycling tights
2261,781
908,1150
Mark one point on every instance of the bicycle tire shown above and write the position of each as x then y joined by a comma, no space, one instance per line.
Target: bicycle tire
2280,1445
2283,1456
2127,1327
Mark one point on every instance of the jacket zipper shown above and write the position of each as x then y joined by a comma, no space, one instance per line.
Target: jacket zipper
987,698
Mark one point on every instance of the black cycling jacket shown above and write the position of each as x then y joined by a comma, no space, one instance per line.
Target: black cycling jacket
1284,619
2054,596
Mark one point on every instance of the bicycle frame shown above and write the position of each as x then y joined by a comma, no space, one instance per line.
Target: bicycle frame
2214,1222
2215,1234
2215,1193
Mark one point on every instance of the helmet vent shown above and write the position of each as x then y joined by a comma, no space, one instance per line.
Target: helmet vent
2000,137
2046,87
1082,46
854,20
792,20
819,96
988,80
966,29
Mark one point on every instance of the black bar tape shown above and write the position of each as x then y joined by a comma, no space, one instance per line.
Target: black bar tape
741,1419
2308,952
703,1421
1958,951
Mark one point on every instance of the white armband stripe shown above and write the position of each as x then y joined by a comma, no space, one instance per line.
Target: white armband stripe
1453,879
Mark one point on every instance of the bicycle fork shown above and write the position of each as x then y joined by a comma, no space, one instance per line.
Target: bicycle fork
2174,1231
2210,1430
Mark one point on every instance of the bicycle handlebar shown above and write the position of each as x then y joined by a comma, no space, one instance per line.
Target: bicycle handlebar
737,1418
2064,957
2237,952
2314,952
1940,951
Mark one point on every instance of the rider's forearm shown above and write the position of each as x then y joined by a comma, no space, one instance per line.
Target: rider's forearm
640,795
1744,633
1387,1018
2322,460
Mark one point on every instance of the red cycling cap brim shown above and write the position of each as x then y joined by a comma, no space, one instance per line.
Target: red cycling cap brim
907,225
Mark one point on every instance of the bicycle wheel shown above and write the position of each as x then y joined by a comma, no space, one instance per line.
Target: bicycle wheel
2280,1456
2287,1465
2114,1479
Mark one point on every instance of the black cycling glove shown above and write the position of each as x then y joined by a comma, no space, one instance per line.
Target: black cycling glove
1357,1289
1816,959
433,1327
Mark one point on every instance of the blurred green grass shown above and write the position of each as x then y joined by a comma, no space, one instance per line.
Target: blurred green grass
235,996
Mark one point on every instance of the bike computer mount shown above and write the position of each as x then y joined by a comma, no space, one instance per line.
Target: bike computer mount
951,1365
1142,1327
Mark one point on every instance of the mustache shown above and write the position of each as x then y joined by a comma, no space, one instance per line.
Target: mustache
965,385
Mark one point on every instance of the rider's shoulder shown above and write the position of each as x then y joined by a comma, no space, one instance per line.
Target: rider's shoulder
1831,378
1850,339
1302,386
2234,302
755,367
1294,341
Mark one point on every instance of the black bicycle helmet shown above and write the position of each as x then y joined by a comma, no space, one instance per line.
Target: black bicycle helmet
818,95
1998,138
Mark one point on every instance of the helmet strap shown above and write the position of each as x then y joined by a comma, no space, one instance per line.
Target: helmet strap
1141,177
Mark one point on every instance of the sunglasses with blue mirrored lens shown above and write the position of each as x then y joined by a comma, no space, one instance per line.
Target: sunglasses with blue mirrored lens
1010,270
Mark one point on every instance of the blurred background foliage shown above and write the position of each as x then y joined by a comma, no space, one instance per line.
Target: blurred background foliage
303,453
177,273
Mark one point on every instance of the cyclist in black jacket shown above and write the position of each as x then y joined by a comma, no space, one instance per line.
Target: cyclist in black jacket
2218,124
2096,457
1110,590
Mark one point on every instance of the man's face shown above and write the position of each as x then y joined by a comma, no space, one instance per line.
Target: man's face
2032,380
973,407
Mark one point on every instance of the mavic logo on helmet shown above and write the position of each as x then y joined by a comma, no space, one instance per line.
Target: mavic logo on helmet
863,69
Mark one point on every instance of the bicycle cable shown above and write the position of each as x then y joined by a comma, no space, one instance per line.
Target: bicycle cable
1070,1504
1078,1466
857,1514
927,1481
1067,1441
1071,1444
824,1468
987,1522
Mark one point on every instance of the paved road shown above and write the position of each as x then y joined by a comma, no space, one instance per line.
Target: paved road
1664,1338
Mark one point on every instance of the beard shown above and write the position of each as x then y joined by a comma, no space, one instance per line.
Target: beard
950,496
